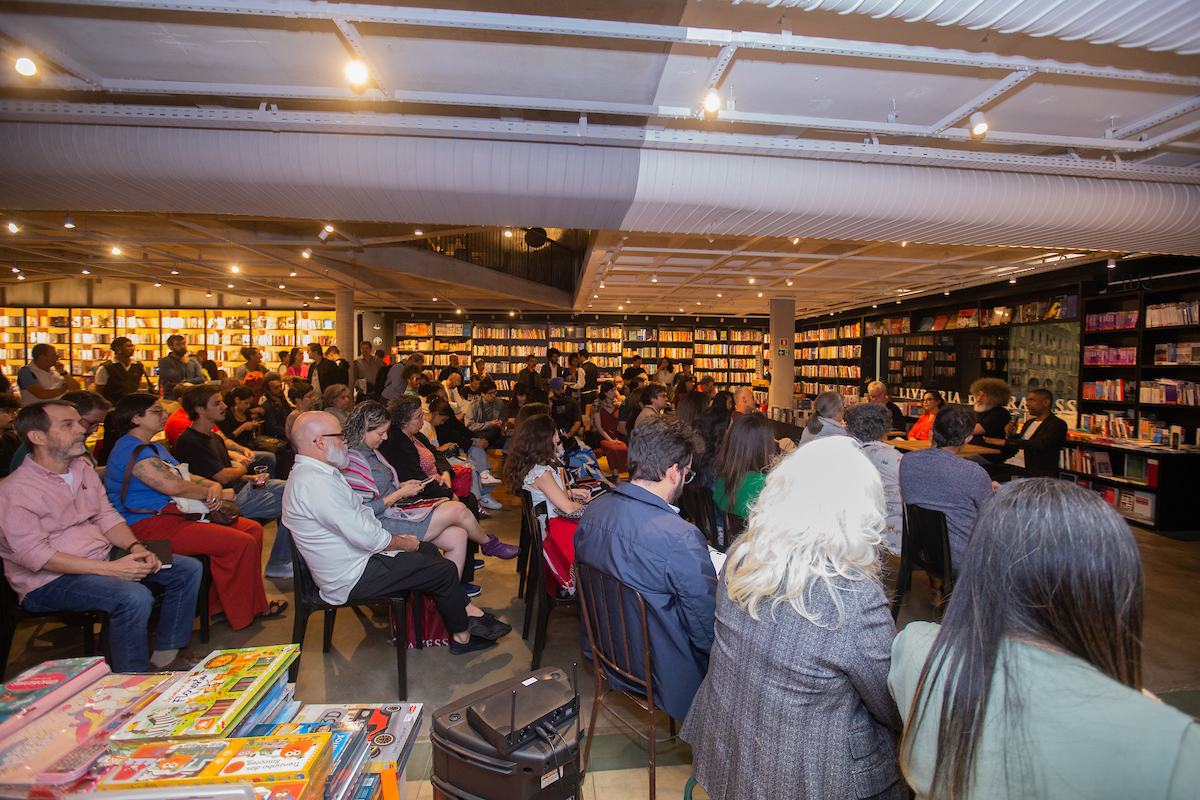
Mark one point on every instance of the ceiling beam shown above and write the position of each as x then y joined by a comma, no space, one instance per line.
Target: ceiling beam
12,27
979,101
1157,118
355,41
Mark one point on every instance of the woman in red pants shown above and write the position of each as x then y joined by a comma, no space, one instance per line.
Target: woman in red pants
145,501
604,423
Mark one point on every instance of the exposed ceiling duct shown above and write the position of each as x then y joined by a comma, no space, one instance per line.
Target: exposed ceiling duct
1156,25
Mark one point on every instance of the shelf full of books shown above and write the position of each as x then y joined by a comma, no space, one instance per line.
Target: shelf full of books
232,719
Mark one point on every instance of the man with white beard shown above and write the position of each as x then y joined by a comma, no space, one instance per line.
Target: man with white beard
350,554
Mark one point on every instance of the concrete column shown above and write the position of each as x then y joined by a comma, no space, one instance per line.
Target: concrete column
783,339
345,324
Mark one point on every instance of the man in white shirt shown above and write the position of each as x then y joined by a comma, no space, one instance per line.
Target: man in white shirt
44,377
457,402
349,553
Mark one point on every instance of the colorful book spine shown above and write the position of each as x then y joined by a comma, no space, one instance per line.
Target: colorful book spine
39,689
391,728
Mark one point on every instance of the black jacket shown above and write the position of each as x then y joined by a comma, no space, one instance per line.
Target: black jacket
402,454
1042,448
452,430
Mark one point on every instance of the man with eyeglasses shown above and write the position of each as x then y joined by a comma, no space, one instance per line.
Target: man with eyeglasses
636,535
93,410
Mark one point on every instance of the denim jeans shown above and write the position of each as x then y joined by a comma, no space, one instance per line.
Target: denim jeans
262,459
268,504
128,604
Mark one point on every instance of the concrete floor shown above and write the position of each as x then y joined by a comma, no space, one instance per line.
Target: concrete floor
360,666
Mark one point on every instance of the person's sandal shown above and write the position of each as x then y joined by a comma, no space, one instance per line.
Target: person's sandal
274,609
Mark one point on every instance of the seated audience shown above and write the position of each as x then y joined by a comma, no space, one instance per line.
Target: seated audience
743,403
336,400
710,426
93,411
634,370
471,389
45,377
635,534
653,401
564,409
141,484
275,406
535,465
1041,438
604,422
1032,685
520,396
870,423
485,414
747,453
452,383
665,375
991,415
931,404
451,430
10,443
57,534
795,703
878,392
351,555
829,410
689,405
239,424
937,478
470,459
303,399
257,494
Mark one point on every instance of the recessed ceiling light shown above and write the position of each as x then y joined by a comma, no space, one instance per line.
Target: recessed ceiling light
87,272
230,285
116,251
356,73
307,252
418,232
507,233
25,66
68,222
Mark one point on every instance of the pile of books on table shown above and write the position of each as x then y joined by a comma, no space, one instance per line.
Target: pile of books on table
71,726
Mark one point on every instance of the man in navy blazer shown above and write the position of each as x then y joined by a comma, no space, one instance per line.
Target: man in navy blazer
636,535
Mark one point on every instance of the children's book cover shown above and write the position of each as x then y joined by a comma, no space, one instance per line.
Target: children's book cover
266,759
213,697
39,689
391,728
164,764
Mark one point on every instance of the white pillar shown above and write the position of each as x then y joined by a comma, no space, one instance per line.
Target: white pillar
343,322
781,351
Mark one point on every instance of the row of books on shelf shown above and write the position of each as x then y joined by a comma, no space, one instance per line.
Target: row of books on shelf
71,727
726,363
727,350
830,371
1162,315
1175,353
1149,433
1168,391
1131,467
891,326
1108,390
728,378
1101,355
1111,321
1131,503
813,388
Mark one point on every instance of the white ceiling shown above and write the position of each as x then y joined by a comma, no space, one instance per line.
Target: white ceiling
841,123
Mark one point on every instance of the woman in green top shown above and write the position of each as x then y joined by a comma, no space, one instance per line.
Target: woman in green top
1032,686
745,457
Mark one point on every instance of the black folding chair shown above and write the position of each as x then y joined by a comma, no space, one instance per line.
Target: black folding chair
13,614
308,601
536,588
925,545
697,507
614,616
527,528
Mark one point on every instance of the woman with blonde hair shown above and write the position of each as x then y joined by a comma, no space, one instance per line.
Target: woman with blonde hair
795,703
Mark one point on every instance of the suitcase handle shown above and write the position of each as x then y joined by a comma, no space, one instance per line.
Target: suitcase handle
483,761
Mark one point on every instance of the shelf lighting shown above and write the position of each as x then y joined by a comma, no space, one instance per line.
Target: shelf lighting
26,67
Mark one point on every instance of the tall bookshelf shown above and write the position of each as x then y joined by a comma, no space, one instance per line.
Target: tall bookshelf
452,339
830,358
228,332
144,329
604,346
732,356
13,355
274,331
92,332
415,337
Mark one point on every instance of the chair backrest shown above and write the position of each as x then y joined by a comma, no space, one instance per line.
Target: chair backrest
306,590
696,505
926,542
614,616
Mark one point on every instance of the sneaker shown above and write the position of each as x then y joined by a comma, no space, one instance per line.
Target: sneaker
488,479
478,563
281,571
471,590
488,627
490,502
497,548
472,645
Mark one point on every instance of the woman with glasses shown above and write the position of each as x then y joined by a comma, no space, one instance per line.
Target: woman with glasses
141,485
931,404
535,465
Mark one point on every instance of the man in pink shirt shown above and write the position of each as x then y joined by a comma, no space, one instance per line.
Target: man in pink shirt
57,534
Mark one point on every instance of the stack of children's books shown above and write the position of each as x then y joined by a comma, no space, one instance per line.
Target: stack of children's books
70,727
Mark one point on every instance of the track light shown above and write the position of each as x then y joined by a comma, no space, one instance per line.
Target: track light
174,272
508,233
1112,263
208,294
247,301
458,311
750,280
323,235
417,232
979,125
307,252
947,293
712,101
20,277
306,305
904,244
620,308
230,285
87,272
601,284
234,268
158,284
68,222
316,297
435,299
26,67
654,279
1012,280
512,313
796,240
789,281
16,269
760,294
718,294
13,227
281,286
328,228
116,251
292,274
356,73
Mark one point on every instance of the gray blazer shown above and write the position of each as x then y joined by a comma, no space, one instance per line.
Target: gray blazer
793,710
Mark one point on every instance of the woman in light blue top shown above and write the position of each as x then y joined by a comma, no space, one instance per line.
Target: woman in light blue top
1032,685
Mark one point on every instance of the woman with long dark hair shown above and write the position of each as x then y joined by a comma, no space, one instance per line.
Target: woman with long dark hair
742,463
535,465
149,510
711,426
689,405
604,423
1032,685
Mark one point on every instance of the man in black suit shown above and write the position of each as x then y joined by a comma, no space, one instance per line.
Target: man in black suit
1041,437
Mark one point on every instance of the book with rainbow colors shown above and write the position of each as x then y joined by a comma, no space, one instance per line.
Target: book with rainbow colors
211,700
39,689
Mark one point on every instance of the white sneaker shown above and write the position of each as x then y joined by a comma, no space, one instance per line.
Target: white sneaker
491,503
488,479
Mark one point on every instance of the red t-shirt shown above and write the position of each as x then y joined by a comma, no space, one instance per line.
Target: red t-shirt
177,423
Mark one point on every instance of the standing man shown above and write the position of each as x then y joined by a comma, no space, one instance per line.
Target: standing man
634,369
591,378
322,373
57,533
116,378
44,377
485,415
366,367
654,400
636,535
206,455
177,367
453,367
334,356
535,387
743,403
878,392
1041,438
552,369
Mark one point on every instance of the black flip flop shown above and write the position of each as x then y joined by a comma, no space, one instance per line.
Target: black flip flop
277,607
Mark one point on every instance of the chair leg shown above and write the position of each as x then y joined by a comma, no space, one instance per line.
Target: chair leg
533,591
202,599
587,748
330,618
902,581
418,607
650,727
671,726
539,636
298,628
523,560
89,634
401,655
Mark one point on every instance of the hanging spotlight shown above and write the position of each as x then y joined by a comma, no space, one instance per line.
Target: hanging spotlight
174,272
654,279
13,227
307,252
230,285
356,73
316,297
601,284
20,277
68,222
712,101
512,313
760,294
293,274
306,305
281,286
234,268
328,229
458,311
1012,280
874,305
116,251
750,280
247,302
26,67
208,294
718,294
323,235
904,244
789,281
16,269
1112,263
620,308
947,293
796,240
979,125
158,284
435,299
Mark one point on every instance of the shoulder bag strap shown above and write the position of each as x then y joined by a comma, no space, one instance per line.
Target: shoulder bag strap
129,474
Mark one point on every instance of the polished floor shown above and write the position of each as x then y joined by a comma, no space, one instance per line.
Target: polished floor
360,666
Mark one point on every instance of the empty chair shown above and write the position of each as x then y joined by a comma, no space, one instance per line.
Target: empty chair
925,546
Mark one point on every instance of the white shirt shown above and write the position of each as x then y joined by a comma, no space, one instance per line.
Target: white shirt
333,529
48,379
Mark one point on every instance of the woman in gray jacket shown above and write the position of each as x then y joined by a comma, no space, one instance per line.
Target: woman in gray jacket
795,703
829,410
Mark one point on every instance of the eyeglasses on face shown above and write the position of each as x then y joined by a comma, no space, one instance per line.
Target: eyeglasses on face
329,436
